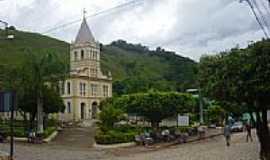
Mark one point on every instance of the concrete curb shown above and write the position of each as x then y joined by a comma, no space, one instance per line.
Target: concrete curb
4,156
18,139
46,140
50,137
109,146
131,144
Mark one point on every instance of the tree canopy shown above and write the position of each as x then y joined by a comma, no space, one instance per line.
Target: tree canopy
36,83
154,106
240,80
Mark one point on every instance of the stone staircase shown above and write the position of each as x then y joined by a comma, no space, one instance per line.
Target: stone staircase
87,123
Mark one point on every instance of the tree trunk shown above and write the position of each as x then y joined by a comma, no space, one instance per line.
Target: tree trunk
40,128
26,124
263,135
32,120
45,121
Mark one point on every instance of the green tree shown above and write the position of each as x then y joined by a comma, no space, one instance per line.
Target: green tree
216,114
239,79
34,83
109,116
154,106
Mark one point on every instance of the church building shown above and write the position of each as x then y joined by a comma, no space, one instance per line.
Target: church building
86,86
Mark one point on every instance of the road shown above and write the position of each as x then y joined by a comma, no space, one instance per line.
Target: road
210,149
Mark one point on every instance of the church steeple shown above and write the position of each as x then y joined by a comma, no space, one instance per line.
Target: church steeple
84,35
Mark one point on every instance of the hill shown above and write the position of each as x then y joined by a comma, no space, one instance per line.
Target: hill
134,67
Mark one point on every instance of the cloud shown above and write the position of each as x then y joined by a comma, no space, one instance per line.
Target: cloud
190,27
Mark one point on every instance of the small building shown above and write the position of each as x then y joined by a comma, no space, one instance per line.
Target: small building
86,86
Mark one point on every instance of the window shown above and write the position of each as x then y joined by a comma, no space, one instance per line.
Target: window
81,88
94,55
94,89
105,91
68,88
75,56
68,107
84,89
82,54
62,88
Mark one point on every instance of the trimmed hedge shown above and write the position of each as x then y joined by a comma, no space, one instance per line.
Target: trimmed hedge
114,137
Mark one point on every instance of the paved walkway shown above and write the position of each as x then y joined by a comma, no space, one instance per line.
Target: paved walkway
81,136
210,149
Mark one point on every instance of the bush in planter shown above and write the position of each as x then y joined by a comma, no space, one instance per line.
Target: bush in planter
113,137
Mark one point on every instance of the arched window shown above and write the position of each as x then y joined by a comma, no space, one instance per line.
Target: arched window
75,56
68,107
68,87
82,54
81,88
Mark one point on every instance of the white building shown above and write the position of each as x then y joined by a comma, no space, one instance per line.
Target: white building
87,86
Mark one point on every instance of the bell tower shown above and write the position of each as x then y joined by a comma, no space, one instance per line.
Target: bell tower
85,53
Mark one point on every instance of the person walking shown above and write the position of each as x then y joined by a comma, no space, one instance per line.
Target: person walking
227,134
248,128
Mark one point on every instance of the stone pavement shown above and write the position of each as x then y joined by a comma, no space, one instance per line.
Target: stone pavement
79,136
209,149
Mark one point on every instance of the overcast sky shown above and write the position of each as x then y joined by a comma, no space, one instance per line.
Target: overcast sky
189,27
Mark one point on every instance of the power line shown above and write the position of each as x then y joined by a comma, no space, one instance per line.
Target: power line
256,16
130,3
265,7
262,15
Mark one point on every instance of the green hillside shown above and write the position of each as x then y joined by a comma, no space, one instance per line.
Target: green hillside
134,68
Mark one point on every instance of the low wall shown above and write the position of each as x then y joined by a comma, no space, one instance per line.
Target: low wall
4,156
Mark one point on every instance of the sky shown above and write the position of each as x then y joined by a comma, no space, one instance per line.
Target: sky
191,28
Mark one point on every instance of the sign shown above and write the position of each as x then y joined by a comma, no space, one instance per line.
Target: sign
183,120
268,115
7,100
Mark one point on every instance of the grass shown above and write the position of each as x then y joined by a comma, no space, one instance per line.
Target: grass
20,129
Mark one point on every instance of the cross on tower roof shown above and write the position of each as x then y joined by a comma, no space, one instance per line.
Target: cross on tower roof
84,13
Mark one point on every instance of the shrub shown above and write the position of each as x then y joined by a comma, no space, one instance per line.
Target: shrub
109,116
48,131
113,137
184,129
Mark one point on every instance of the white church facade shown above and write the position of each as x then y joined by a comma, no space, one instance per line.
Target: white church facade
86,86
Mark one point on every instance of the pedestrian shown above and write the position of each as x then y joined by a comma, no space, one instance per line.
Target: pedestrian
248,128
227,134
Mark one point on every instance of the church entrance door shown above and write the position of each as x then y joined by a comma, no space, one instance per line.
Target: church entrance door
94,110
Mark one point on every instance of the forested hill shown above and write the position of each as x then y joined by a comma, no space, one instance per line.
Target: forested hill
134,67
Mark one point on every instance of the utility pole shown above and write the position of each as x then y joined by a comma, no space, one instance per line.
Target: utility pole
201,107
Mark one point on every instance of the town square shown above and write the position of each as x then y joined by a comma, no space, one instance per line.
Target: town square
135,80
